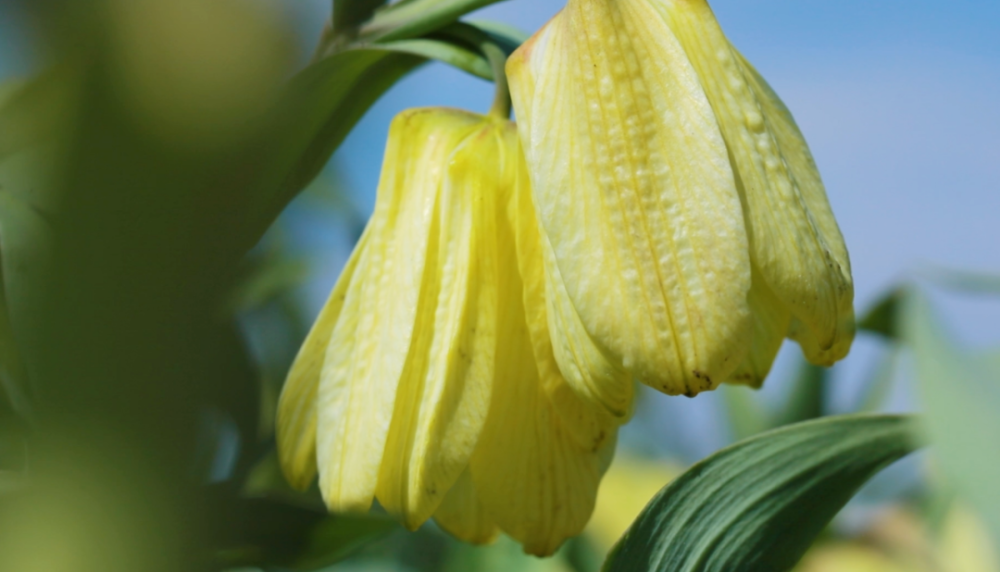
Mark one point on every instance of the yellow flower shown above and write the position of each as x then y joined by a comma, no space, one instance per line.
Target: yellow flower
429,381
687,229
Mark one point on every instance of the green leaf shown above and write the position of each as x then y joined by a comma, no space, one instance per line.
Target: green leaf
339,536
965,281
25,240
883,317
806,396
504,555
759,504
960,391
451,54
412,18
348,15
507,36
879,383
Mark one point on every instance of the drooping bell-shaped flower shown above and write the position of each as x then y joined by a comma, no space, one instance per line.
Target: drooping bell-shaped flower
687,231
429,380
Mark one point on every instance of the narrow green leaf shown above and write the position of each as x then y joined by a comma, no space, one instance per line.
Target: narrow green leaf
413,18
882,318
25,239
507,36
759,504
879,383
960,391
339,536
451,54
348,15
965,281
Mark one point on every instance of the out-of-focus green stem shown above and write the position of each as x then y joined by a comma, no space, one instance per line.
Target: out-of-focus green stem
498,61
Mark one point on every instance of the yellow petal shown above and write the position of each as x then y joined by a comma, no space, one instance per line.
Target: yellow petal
463,515
591,425
637,199
771,320
443,396
296,421
794,238
536,479
371,344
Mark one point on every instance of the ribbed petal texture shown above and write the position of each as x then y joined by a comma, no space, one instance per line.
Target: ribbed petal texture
429,381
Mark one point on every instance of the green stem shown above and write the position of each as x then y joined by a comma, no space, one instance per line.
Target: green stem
498,61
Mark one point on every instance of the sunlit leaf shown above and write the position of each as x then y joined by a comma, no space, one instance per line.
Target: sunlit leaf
758,505
960,391
451,54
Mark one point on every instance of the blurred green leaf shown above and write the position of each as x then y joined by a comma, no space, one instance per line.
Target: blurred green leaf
806,396
744,412
339,536
25,239
878,384
506,36
266,281
502,556
412,18
960,391
348,15
883,317
965,281
451,54
758,505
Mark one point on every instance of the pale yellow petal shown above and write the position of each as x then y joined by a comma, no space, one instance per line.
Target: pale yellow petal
296,421
590,424
443,396
371,343
771,320
636,196
814,194
794,238
463,515
536,480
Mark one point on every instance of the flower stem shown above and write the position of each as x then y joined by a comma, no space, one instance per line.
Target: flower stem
498,61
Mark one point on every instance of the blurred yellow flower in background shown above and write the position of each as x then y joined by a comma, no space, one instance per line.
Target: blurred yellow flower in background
898,540
686,228
629,485
428,381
